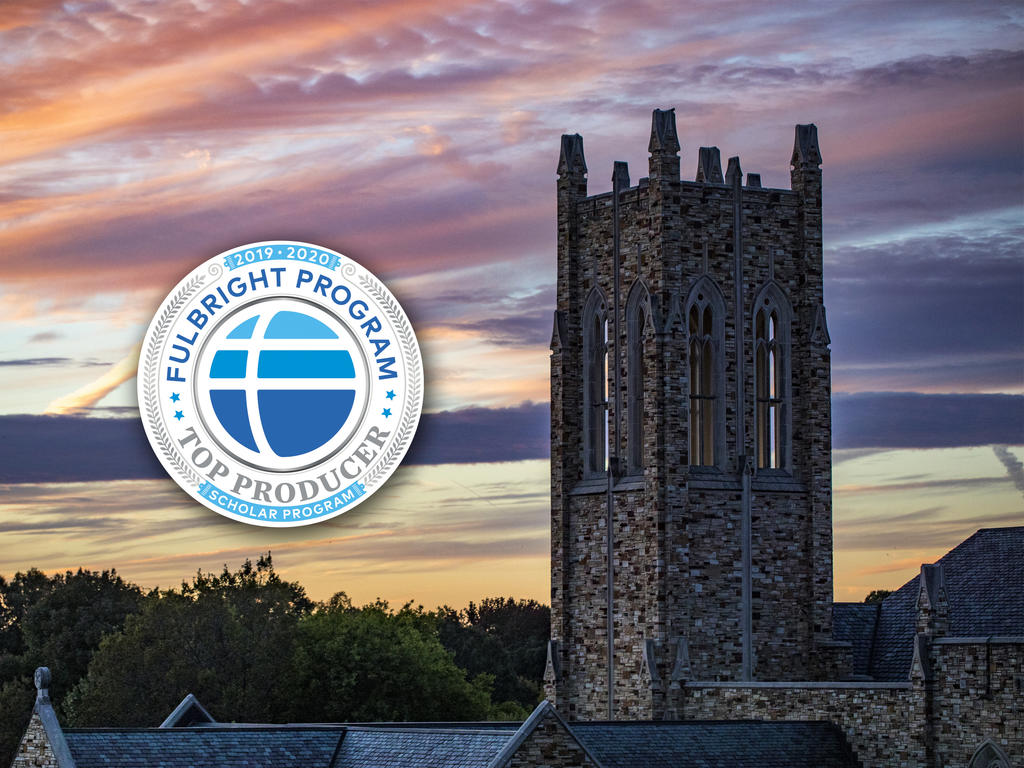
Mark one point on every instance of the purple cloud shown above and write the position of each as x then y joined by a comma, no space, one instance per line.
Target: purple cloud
40,449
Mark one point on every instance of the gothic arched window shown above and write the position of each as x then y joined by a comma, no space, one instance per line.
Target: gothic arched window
989,755
637,308
771,378
705,323
595,383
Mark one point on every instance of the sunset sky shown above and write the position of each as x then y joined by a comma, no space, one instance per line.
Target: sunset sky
139,138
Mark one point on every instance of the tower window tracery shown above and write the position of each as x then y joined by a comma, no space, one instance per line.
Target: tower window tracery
705,329
702,390
595,384
636,319
771,379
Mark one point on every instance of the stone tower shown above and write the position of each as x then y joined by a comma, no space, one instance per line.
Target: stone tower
690,418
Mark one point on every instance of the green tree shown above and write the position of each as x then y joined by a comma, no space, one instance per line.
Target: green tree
56,621
227,638
505,638
64,627
877,595
370,663
16,698
17,596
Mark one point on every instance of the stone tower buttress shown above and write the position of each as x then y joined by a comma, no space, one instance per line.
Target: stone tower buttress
566,401
816,422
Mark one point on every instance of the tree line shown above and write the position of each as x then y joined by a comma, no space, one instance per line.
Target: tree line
253,647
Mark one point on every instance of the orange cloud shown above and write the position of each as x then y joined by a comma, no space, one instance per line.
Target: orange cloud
87,396
160,74
437,534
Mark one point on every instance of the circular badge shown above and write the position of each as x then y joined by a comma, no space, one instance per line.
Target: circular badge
280,383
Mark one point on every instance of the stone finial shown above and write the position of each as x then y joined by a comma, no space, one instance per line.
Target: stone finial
932,607
663,132
559,331
42,679
805,146
43,709
754,180
552,666
931,583
920,666
819,334
681,667
709,165
620,175
571,158
650,662
734,174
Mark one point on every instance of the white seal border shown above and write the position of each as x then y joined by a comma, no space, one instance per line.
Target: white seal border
162,324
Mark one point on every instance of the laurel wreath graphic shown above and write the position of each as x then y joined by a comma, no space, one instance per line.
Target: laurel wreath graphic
407,425
406,339
149,371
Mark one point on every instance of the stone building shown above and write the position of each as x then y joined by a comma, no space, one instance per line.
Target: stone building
691,522
191,738
691,529
690,370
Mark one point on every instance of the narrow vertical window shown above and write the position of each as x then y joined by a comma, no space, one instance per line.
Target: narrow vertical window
703,392
602,383
636,319
595,384
705,326
771,381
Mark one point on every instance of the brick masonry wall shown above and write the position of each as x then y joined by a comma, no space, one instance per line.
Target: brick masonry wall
881,723
550,745
34,750
706,550
635,615
977,696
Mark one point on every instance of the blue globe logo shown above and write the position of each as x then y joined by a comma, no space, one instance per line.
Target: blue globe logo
298,394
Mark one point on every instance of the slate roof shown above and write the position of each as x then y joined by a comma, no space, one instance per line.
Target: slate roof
691,744
203,747
855,623
419,747
268,746
714,744
984,584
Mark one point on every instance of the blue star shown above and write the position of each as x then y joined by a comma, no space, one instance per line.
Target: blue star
391,394
386,412
175,397
179,415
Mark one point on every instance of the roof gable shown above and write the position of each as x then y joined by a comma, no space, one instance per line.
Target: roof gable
984,589
189,712
542,734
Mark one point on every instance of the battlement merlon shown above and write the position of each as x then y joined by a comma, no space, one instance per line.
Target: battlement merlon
709,166
570,160
664,149
664,139
806,152
734,174
664,146
572,177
